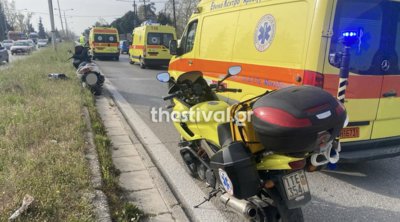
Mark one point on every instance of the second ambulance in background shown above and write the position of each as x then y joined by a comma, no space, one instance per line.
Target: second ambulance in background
150,45
104,43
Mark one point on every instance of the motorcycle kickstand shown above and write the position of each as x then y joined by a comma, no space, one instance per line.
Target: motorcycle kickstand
211,195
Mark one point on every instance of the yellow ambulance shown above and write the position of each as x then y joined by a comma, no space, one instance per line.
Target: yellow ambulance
104,42
150,45
280,43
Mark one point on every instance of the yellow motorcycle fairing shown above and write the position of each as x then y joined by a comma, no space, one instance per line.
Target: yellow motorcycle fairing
202,120
209,115
276,162
180,119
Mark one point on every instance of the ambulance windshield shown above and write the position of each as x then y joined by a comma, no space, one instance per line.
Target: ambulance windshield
378,24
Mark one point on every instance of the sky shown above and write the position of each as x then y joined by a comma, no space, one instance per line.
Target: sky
85,13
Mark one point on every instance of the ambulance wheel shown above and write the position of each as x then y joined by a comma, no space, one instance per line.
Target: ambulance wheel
131,62
142,64
117,58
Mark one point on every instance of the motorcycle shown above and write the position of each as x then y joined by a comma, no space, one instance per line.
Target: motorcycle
87,71
257,157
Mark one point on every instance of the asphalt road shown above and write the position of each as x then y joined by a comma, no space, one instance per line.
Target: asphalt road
354,192
13,58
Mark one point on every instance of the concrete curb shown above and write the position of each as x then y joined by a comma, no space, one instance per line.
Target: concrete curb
179,181
99,199
139,179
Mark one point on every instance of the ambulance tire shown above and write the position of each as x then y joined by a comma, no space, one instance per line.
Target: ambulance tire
117,58
131,62
142,64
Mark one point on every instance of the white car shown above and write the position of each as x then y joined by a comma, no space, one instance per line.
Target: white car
21,46
42,43
7,44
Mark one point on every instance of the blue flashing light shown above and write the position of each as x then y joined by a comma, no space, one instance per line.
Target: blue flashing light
350,37
349,34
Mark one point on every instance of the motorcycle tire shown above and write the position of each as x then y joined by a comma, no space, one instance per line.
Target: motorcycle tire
96,90
277,211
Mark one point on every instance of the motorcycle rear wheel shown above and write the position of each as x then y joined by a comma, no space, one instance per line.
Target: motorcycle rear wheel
276,211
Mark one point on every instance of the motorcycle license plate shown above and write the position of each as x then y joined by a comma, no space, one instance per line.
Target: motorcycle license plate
295,184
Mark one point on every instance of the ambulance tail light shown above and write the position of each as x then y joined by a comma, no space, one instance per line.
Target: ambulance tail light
313,79
144,51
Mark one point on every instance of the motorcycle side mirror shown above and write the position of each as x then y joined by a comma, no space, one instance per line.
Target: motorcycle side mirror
164,77
232,71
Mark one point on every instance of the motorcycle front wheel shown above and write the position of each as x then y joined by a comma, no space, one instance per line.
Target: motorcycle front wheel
276,210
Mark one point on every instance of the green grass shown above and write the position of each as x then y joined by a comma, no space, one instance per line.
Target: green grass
41,141
42,147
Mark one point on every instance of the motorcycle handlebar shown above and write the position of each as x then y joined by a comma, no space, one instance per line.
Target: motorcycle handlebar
170,96
232,90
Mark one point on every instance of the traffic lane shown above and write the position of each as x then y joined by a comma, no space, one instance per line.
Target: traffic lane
12,58
143,92
351,193
356,192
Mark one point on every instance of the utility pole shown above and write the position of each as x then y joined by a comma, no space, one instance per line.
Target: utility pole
145,10
53,32
59,10
134,13
174,9
66,26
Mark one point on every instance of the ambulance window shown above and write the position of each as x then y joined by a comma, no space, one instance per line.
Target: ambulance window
188,39
105,38
377,22
159,39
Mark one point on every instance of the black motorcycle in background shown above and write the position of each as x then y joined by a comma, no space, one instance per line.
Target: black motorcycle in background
87,71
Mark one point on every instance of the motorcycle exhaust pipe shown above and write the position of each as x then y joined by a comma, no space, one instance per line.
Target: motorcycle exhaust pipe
243,207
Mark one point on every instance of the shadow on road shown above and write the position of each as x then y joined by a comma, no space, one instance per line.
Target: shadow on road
331,212
379,176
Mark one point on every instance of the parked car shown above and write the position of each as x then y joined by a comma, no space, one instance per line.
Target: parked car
32,44
42,43
124,47
21,46
7,44
3,54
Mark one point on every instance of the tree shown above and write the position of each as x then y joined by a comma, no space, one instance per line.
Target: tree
3,23
10,13
126,23
42,33
184,8
148,12
164,19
